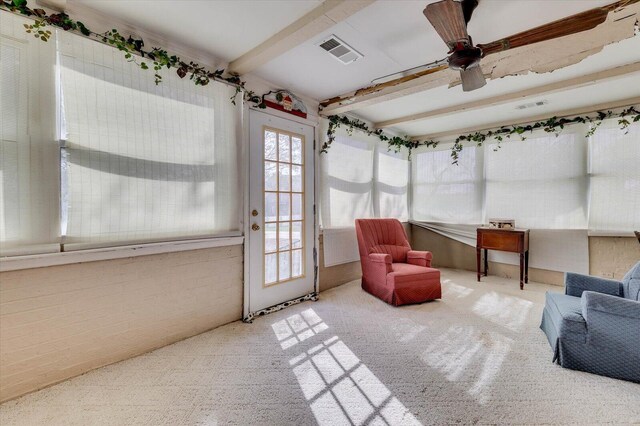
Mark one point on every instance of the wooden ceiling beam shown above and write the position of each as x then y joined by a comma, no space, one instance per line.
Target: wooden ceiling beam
547,89
320,19
568,113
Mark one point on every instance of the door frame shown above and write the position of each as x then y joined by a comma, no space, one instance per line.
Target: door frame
246,216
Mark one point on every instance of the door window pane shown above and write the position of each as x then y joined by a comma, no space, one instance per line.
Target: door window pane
296,234
296,263
296,150
270,237
284,237
284,149
296,178
296,206
270,206
271,268
284,272
270,176
284,177
270,148
285,206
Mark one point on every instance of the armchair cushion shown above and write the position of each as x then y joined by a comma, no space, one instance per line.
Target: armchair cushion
420,258
575,284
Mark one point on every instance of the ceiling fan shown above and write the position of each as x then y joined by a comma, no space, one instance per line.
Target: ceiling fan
450,18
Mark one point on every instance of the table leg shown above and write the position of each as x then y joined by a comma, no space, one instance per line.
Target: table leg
478,262
486,262
526,267
521,271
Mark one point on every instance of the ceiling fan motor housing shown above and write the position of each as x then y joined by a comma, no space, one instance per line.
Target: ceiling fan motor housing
465,57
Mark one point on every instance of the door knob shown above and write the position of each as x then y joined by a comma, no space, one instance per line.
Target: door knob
254,213
255,227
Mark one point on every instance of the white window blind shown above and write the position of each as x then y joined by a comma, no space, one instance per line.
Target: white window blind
347,179
445,192
540,182
392,182
28,150
359,178
143,162
615,179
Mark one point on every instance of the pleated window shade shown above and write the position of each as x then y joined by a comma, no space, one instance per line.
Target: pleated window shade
444,192
28,149
540,182
392,182
143,162
347,180
615,179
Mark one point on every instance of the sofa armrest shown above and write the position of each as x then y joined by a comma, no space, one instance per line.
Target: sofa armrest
612,322
420,258
575,284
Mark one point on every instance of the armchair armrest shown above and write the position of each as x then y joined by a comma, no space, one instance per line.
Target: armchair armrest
381,262
420,258
575,284
612,322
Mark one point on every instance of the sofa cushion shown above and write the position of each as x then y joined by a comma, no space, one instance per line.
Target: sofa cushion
566,313
631,283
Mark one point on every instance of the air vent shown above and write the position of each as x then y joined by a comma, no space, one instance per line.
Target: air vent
340,50
532,104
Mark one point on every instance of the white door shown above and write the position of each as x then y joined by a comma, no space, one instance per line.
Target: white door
281,214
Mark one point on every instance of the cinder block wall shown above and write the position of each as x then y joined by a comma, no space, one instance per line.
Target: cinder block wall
61,321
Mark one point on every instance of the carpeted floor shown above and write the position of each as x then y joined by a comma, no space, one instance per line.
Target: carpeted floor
476,356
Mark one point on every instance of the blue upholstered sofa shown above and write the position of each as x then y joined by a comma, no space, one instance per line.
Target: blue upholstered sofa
595,325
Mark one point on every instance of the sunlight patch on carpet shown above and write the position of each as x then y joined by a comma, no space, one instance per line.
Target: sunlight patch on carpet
339,387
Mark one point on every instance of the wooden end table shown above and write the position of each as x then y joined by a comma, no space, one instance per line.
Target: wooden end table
511,240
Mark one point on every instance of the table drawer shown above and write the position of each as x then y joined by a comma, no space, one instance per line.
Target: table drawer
500,241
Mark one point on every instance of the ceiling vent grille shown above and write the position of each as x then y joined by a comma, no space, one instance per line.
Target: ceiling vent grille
532,105
340,50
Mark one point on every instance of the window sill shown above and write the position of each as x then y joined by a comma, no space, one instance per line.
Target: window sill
92,255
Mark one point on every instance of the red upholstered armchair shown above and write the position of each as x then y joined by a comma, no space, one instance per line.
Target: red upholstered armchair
392,271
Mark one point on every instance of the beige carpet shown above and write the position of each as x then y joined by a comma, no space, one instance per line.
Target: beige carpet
477,356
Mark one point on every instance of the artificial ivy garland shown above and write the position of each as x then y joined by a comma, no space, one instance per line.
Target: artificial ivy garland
159,58
551,125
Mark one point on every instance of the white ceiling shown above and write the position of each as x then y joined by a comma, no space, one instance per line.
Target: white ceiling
226,29
395,35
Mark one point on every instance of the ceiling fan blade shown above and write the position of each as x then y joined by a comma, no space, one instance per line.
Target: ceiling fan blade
447,18
472,79
468,6
573,24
